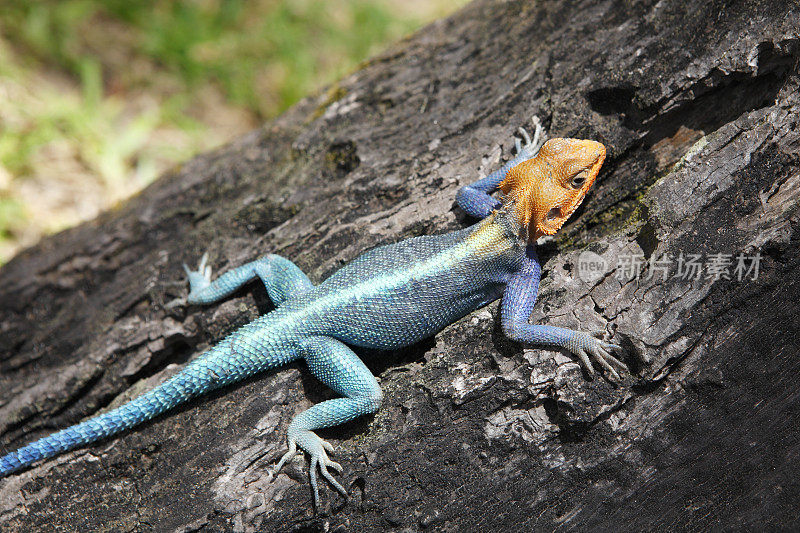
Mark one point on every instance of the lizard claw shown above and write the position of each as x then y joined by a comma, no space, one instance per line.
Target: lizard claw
525,136
198,279
531,146
318,449
288,456
323,462
593,348
177,302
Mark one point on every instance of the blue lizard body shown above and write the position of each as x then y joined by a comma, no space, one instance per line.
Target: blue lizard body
389,297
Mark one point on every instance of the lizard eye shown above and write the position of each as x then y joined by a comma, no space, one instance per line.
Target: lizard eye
578,180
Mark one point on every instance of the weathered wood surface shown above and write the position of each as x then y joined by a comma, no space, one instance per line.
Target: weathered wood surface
698,105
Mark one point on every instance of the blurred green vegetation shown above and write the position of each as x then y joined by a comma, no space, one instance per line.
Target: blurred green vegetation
98,97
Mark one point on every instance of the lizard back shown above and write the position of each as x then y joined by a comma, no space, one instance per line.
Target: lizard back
398,294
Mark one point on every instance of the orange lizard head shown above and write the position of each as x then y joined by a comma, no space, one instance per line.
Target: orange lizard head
546,190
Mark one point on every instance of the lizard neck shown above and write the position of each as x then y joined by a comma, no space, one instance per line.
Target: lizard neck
499,234
510,210
506,217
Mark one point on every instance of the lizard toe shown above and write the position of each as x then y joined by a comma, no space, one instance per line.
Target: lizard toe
320,459
198,279
524,133
288,456
317,449
585,362
609,350
323,467
602,358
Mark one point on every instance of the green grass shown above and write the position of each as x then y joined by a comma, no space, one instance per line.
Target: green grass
281,48
113,92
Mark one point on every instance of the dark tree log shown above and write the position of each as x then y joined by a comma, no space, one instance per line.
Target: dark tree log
699,107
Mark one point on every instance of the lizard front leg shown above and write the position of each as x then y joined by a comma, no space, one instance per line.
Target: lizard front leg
518,301
336,365
282,278
475,199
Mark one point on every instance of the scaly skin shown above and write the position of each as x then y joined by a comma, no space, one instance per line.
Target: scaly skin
387,298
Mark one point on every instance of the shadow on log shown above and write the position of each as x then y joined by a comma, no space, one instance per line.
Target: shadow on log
698,105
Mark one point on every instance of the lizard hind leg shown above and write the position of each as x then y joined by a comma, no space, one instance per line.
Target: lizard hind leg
282,279
336,365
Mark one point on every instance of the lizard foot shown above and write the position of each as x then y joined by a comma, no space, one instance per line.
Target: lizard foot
198,279
592,347
317,449
531,146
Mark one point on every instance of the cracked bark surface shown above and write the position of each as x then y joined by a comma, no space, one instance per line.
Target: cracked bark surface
698,106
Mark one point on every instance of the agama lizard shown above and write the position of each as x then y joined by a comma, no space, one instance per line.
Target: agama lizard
389,297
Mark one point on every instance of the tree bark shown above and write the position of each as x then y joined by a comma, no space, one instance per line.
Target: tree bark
698,105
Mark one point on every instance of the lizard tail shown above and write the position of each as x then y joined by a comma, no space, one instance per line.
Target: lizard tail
205,373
